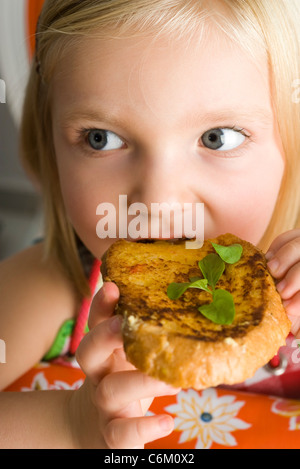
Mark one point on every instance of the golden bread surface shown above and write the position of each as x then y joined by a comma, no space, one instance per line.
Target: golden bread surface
170,339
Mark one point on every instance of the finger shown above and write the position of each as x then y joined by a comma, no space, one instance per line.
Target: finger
134,433
118,391
290,284
287,256
98,346
292,307
280,241
103,304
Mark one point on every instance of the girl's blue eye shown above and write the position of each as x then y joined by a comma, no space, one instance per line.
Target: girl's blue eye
104,140
223,139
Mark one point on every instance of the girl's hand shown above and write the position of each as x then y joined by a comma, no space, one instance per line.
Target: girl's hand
284,264
108,411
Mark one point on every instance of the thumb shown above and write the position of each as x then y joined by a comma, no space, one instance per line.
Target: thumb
103,304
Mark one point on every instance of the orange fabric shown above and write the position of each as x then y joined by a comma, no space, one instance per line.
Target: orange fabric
48,376
33,9
239,420
211,419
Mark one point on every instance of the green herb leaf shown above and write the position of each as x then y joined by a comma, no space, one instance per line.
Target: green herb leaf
175,290
201,283
229,254
212,267
194,279
221,310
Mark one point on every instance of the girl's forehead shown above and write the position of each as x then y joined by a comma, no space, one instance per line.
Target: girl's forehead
163,72
108,44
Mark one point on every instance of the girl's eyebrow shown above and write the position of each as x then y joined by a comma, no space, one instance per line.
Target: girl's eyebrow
254,115
238,115
78,114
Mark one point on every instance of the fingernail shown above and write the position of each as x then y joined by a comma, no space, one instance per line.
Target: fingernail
273,265
269,255
286,303
166,423
115,324
281,286
172,390
102,290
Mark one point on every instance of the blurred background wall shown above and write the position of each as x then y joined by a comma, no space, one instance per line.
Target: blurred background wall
20,206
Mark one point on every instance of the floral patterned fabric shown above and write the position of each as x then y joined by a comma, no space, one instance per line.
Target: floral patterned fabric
219,419
211,419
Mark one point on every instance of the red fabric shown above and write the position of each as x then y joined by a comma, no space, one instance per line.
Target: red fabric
85,309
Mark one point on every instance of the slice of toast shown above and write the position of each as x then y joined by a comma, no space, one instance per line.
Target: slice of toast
170,339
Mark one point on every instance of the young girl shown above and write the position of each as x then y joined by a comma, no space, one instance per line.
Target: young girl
165,101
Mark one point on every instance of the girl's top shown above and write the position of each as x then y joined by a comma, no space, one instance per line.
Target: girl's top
262,412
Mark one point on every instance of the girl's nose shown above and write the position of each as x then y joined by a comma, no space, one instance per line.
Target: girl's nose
160,177
162,184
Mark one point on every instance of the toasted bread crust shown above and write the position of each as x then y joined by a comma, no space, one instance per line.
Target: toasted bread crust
170,340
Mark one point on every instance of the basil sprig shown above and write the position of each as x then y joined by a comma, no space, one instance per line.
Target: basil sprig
222,309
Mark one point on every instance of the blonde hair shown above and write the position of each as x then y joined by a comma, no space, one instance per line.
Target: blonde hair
268,26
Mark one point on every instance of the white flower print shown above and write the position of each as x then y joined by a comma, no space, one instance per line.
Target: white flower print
288,408
207,417
40,383
61,385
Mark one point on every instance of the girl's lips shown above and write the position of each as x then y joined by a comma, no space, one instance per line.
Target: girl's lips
152,240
